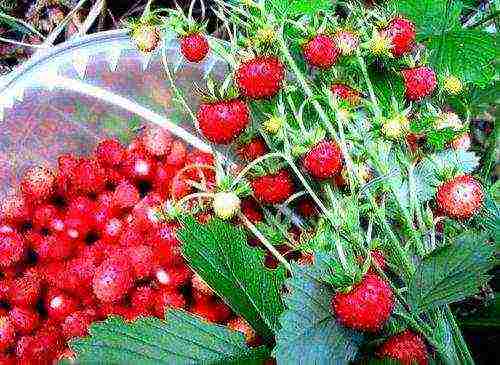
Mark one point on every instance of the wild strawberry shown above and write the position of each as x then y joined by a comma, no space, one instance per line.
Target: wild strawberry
401,32
146,211
38,183
12,249
131,237
197,158
419,82
60,305
7,333
146,37
43,216
260,77
138,165
172,277
178,154
215,311
460,197
222,121
25,291
157,141
194,47
251,210
321,51
367,306
346,41
165,245
324,160
406,348
25,320
180,188
162,180
110,152
54,247
462,142
142,298
307,208
167,298
112,280
77,324
226,204
346,93
8,359
89,177
112,231
66,169
240,325
14,209
253,149
273,188
142,260
126,195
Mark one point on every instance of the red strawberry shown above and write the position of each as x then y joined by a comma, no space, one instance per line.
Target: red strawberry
12,249
137,165
157,141
461,197
89,177
407,348
215,311
324,160
142,260
240,325
346,93
126,195
38,183
142,298
199,285
14,208
260,77
367,306
253,149
44,215
25,291
172,277
167,298
402,34
25,320
60,305
273,188
321,51
251,210
194,47
419,82
307,208
222,121
7,333
166,245
109,152
77,324
112,280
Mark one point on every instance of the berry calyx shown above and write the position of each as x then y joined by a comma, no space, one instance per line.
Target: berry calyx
321,51
407,347
260,77
419,82
395,127
222,121
461,197
346,41
324,160
194,47
226,205
367,306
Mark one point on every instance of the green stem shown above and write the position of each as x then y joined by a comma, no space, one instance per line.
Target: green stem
458,338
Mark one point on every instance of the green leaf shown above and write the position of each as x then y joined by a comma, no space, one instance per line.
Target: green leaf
219,253
298,7
310,333
183,339
451,273
387,86
466,53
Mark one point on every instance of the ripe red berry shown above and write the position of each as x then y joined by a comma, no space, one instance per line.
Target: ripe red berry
324,160
346,93
214,311
165,244
14,209
367,306
110,152
240,325
112,231
222,121
402,34
7,333
142,298
321,51
167,298
199,285
260,77
60,305
419,82
88,177
54,247
137,165
38,183
407,348
178,154
172,277
126,195
307,208
112,280
194,47
25,320
142,260
12,249
273,188
77,324
253,149
157,141
461,197
25,290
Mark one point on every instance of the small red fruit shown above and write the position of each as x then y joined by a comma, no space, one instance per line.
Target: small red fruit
260,77
38,183
273,188
157,141
222,121
251,210
200,285
137,165
7,333
142,260
54,247
89,177
252,149
178,154
402,34
167,298
461,197
25,291
367,306
321,51
172,277
77,324
194,47
12,249
215,311
14,208
346,93
324,160
60,305
126,195
407,348
142,298
112,280
419,82
110,152
25,320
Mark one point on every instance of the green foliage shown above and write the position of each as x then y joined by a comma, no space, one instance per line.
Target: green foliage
293,8
219,253
388,87
451,273
487,317
183,339
310,333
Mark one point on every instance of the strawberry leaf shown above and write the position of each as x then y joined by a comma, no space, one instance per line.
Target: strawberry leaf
219,253
298,7
451,273
183,339
310,333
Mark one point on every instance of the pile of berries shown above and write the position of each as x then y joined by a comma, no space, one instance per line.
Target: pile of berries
86,241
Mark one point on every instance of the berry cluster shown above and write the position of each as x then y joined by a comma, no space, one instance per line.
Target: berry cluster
86,241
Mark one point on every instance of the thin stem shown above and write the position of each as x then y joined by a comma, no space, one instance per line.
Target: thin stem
17,43
364,71
187,198
457,334
254,163
265,242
